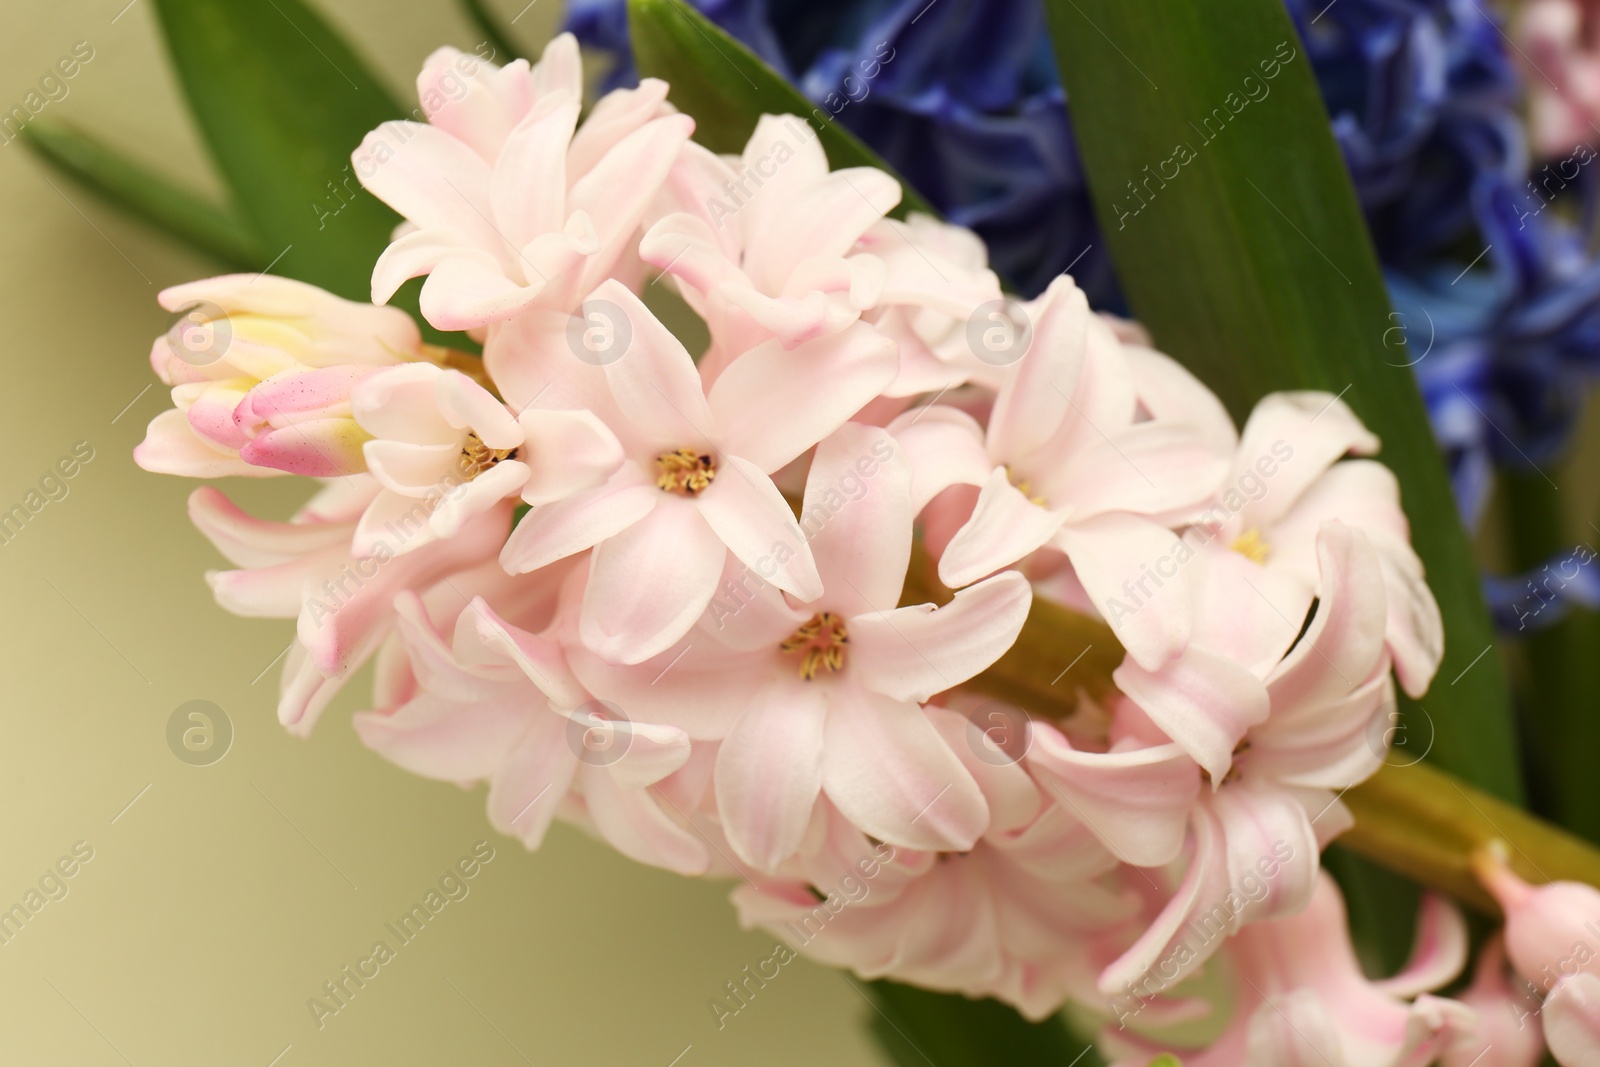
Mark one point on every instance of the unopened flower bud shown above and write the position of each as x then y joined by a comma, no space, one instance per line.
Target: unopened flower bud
1552,931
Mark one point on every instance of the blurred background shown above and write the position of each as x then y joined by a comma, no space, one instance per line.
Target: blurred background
221,896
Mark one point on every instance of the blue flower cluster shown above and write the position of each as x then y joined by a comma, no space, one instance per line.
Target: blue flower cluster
1492,285
969,108
1495,290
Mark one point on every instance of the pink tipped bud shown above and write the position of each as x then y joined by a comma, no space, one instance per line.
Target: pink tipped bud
1552,931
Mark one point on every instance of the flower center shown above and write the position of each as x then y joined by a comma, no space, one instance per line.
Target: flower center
477,457
684,471
1024,488
1251,545
822,640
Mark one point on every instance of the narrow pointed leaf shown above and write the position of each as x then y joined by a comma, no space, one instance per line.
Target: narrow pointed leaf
282,101
1239,241
186,215
726,87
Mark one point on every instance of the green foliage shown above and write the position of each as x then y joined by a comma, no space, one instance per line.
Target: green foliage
282,101
726,87
917,1027
1241,246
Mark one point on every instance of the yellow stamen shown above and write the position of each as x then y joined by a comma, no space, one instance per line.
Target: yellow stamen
684,471
1025,489
477,457
1251,545
822,638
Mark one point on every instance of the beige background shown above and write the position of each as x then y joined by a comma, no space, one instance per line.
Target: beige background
224,896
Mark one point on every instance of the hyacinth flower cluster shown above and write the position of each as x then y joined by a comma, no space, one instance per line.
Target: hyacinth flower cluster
744,613
1478,217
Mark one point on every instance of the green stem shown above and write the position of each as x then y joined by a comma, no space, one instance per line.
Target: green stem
1427,824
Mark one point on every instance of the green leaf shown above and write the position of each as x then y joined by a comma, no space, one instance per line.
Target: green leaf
498,36
184,214
917,1027
1239,241
726,87
282,101
1560,675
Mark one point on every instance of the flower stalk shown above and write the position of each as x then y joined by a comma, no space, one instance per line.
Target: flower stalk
1427,825
1415,819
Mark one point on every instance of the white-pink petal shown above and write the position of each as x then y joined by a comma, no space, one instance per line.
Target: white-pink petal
1203,701
773,403
911,653
1572,1021
1005,526
655,382
1038,388
633,821
533,780
1137,800
649,583
1119,559
769,771
567,452
895,778
171,446
555,531
857,515
751,516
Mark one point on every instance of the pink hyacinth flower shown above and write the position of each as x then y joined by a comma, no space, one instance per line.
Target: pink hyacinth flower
764,246
1286,481
1552,936
1302,1000
1552,931
1560,42
1280,737
443,448
818,695
695,482
492,704
304,570
1065,463
534,218
1507,1032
